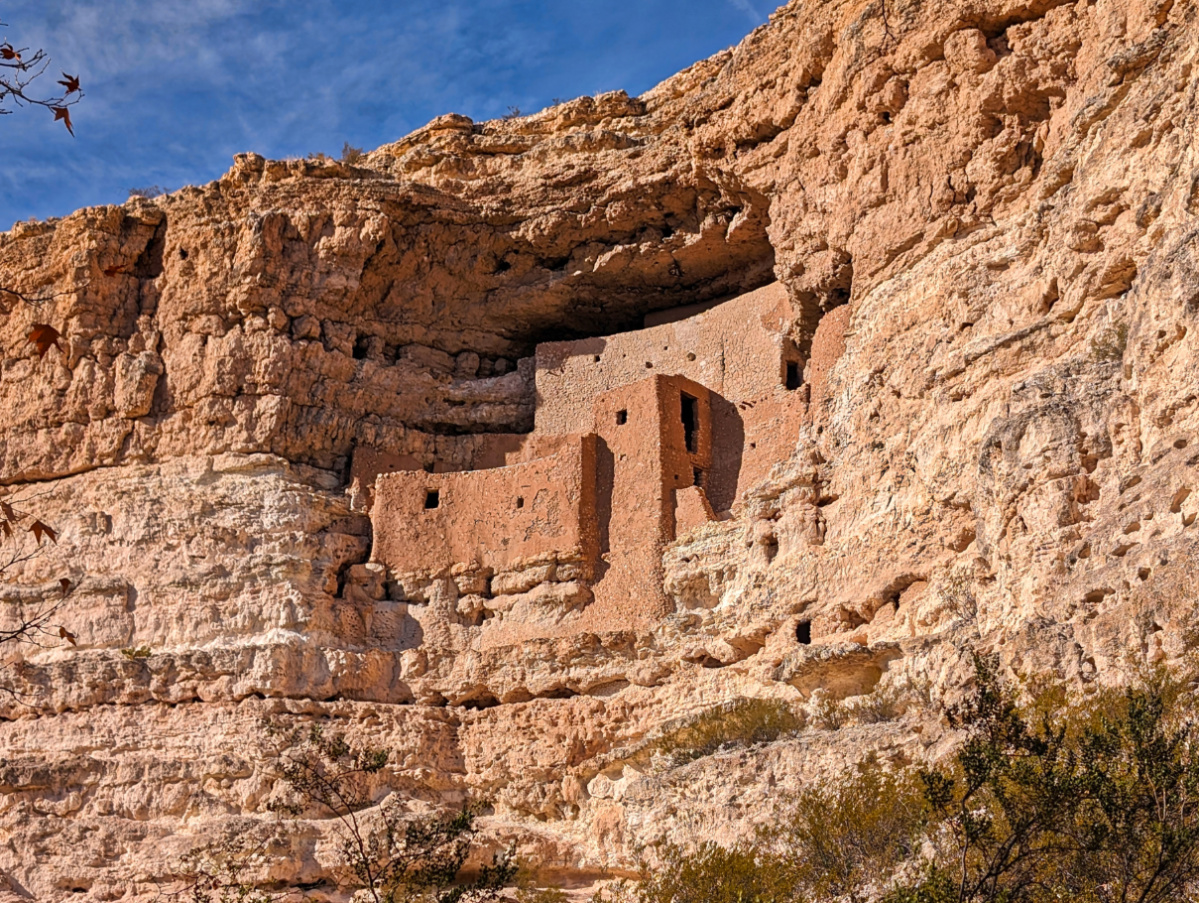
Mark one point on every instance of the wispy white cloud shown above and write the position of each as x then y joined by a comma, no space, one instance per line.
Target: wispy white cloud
175,87
749,9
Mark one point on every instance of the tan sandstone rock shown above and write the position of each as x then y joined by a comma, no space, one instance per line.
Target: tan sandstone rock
981,217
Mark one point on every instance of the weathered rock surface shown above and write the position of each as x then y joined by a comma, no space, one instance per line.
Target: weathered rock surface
995,199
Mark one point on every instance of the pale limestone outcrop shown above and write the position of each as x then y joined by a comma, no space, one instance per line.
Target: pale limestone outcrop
995,199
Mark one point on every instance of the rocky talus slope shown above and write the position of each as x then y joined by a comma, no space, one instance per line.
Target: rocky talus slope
1002,194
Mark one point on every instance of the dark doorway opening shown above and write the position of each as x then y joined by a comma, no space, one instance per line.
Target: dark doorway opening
793,378
803,632
690,422
432,499
699,477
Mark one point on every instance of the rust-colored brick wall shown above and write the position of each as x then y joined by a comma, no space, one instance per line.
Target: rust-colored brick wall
828,344
736,349
643,457
629,450
495,519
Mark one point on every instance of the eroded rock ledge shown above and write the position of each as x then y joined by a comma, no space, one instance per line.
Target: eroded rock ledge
981,216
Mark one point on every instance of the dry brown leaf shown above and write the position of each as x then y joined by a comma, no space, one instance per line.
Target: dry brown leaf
44,337
39,530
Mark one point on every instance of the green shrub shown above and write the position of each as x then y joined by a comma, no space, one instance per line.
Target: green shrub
1096,803
842,839
1090,800
856,833
714,874
743,722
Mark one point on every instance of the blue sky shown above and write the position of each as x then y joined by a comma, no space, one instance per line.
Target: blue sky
176,87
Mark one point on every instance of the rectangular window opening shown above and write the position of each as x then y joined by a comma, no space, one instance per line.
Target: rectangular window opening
622,417
432,499
793,376
690,422
803,633
520,501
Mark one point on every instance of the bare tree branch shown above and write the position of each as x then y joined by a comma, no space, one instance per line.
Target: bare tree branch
20,68
30,299
24,537
887,33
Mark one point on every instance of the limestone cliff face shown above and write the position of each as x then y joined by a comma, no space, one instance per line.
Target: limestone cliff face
989,205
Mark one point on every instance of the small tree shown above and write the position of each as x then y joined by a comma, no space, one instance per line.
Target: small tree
393,858
387,856
1101,804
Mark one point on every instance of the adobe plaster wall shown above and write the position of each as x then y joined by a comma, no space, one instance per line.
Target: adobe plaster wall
1003,194
642,461
449,454
828,344
738,349
734,348
488,520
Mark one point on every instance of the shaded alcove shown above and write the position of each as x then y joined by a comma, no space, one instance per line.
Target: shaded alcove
568,297
728,450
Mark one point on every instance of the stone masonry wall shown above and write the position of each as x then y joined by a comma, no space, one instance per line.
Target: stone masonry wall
489,521
735,349
998,199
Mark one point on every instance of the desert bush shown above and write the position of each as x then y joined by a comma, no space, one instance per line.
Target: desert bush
883,703
743,722
1095,803
844,841
828,713
956,590
224,871
1110,344
350,154
1059,798
713,874
880,705
387,855
853,835
149,191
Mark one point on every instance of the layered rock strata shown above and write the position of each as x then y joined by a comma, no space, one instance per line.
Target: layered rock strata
982,215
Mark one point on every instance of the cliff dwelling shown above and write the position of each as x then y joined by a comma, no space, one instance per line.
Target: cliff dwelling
639,437
694,443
